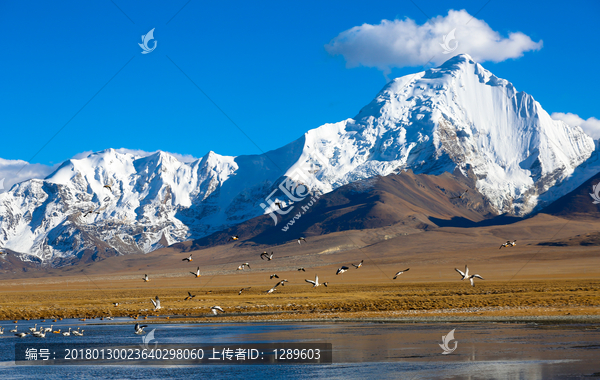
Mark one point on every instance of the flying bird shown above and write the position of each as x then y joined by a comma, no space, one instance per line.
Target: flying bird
242,289
145,278
267,256
302,269
139,330
241,267
156,303
358,265
399,273
462,195
197,273
301,239
236,237
189,297
188,259
466,275
216,308
273,275
272,289
341,270
315,282
116,304
108,187
508,244
282,282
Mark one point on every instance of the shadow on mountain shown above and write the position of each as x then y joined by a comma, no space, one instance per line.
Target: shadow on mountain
458,221
579,203
414,201
585,240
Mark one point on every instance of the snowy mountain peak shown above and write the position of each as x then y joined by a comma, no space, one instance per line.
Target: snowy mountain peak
455,116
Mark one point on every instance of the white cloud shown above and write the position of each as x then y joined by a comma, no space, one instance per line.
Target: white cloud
590,126
15,171
403,43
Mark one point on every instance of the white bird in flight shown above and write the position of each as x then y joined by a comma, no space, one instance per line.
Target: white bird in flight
508,244
466,275
139,330
241,267
197,274
156,303
399,273
214,309
315,282
358,265
267,256
282,283
145,278
341,270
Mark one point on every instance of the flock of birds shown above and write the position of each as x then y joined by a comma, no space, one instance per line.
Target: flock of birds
315,283
42,331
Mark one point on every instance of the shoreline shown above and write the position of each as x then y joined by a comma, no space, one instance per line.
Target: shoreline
537,320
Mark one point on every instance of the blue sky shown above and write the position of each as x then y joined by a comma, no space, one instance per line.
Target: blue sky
264,64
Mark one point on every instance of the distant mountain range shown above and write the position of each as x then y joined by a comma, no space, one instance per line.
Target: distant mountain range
457,119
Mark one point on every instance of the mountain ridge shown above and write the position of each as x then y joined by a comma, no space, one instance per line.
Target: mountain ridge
458,116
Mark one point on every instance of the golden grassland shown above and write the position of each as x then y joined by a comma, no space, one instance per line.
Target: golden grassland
302,302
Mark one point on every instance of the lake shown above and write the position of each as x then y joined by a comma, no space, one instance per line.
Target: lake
359,350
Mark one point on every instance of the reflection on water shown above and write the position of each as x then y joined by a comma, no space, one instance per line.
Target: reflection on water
360,350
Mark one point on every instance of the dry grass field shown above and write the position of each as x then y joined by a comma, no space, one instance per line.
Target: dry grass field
526,280
300,301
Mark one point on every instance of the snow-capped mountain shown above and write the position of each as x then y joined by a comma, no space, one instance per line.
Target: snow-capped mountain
458,116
